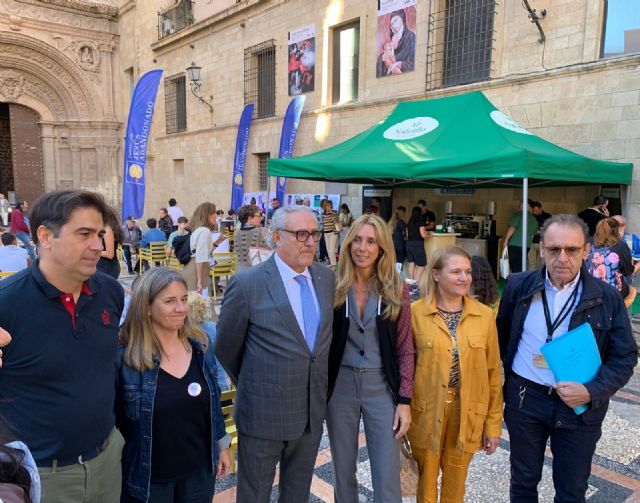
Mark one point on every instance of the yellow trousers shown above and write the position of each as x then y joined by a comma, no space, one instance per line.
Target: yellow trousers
453,462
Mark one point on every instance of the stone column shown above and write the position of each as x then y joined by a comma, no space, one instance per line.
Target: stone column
75,163
106,55
48,156
113,173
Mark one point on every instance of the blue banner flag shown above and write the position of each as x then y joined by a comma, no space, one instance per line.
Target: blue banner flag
288,139
135,147
237,182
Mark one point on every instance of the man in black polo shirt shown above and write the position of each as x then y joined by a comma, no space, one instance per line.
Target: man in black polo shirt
429,216
58,373
593,214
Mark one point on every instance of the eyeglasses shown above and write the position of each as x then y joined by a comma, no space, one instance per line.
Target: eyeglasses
571,251
303,236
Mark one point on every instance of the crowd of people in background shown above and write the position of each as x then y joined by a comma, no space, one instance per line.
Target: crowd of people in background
322,330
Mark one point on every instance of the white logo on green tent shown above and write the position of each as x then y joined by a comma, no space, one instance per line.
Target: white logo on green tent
411,128
507,122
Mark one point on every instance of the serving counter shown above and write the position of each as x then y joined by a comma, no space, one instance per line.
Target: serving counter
437,241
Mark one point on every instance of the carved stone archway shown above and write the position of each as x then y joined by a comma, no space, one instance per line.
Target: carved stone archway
78,127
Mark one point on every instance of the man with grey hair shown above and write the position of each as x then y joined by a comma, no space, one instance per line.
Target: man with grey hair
538,307
273,340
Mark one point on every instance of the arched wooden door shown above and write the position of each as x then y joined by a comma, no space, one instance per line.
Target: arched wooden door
23,173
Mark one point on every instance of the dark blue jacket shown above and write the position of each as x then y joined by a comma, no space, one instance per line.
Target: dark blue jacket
135,393
602,307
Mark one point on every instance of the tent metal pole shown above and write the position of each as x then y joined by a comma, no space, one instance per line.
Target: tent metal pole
525,199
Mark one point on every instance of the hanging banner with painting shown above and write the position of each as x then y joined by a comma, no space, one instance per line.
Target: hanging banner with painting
302,60
396,40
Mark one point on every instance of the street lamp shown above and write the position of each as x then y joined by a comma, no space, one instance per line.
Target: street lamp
193,71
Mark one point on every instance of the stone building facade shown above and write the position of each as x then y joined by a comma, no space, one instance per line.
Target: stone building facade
59,127
564,89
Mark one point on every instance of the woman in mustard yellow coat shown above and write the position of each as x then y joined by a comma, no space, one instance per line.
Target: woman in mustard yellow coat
456,408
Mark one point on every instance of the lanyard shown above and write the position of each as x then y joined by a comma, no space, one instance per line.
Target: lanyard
564,312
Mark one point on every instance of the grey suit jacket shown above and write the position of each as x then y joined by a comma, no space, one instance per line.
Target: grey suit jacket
282,385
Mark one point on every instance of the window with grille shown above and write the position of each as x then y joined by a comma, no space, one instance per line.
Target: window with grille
345,68
460,40
260,78
263,177
175,103
621,29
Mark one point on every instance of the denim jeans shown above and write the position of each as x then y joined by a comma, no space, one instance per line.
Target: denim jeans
572,443
26,240
197,488
126,252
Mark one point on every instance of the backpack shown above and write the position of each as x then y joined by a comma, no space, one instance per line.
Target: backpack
604,263
182,248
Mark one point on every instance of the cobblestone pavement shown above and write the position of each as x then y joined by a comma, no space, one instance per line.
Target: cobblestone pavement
615,476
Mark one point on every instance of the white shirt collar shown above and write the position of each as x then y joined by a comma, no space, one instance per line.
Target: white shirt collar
286,273
569,286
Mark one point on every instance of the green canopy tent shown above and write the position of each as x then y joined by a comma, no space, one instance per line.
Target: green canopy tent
454,141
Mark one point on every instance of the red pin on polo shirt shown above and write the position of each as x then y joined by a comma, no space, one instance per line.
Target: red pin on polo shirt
106,319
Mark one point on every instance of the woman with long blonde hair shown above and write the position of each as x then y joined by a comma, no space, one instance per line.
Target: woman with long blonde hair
167,398
371,361
457,403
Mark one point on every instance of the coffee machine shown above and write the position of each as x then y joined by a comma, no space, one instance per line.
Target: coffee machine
467,225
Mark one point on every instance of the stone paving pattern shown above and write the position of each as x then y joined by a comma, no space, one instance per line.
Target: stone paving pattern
615,474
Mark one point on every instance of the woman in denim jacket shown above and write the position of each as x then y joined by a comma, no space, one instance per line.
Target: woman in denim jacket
168,401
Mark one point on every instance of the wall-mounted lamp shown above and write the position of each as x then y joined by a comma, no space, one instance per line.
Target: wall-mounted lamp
535,18
194,77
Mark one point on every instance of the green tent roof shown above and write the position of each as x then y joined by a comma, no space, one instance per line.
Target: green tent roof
451,141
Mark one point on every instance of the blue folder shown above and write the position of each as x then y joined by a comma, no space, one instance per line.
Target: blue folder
574,357
635,246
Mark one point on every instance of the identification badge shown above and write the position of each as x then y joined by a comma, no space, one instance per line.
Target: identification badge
539,362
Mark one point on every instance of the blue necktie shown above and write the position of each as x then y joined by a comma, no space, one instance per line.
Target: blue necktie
309,313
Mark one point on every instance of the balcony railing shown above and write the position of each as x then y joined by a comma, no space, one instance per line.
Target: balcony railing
175,19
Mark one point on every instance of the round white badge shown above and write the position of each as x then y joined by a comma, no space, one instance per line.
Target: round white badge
411,128
194,389
507,122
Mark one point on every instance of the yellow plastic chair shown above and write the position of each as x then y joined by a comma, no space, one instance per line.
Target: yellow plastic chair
120,255
174,263
155,253
230,425
226,266
230,235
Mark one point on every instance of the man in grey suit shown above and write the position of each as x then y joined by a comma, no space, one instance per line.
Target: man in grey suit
273,340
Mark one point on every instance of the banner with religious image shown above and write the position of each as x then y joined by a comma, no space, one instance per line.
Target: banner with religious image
396,38
302,60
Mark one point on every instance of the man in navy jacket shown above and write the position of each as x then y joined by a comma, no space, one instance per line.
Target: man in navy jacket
540,306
